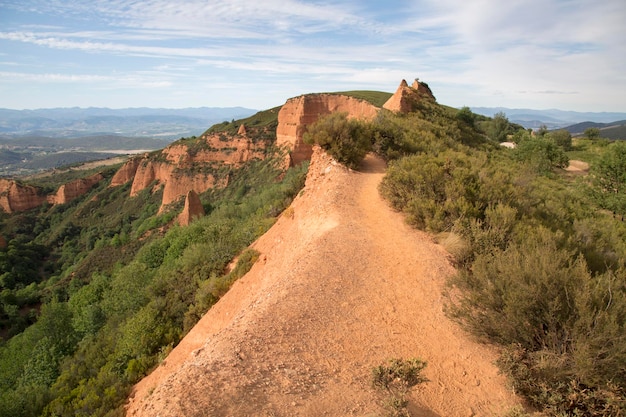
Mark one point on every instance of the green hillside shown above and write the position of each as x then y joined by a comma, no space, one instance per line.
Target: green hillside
377,98
95,293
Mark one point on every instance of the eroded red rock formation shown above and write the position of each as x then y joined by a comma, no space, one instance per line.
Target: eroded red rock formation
17,197
71,190
125,173
405,97
185,167
193,209
299,112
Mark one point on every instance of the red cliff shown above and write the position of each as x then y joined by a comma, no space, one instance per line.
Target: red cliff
299,112
190,166
126,172
71,190
17,197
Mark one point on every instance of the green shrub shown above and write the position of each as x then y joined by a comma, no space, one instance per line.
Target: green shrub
395,379
347,140
403,373
435,191
541,154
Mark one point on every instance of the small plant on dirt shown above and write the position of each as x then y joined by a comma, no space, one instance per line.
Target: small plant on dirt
396,378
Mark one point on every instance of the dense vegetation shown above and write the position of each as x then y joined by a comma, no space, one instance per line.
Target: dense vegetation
96,292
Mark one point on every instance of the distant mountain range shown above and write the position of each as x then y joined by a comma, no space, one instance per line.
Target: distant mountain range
552,118
35,140
74,122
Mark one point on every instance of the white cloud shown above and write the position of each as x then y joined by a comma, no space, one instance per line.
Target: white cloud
476,50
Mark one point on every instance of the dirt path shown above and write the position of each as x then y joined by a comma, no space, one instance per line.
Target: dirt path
343,284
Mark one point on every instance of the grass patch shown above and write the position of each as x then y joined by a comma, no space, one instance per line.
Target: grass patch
377,98
394,380
262,119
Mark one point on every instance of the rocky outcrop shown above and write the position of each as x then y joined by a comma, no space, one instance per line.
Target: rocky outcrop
178,185
299,112
125,173
190,166
17,197
405,97
242,130
175,181
219,148
193,209
71,190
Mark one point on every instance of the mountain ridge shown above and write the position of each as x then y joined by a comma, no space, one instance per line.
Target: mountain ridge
300,333
552,118
66,122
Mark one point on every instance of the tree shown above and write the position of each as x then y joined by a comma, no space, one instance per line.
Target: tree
562,138
609,178
592,133
499,127
541,153
466,115
543,130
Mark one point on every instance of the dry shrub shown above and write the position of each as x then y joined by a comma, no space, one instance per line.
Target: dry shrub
454,244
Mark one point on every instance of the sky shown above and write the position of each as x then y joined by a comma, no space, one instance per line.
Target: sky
538,54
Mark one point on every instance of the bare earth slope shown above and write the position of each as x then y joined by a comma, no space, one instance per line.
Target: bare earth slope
343,284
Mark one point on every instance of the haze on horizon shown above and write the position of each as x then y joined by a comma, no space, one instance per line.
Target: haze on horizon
539,54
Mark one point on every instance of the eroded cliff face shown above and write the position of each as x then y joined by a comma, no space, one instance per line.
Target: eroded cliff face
71,190
191,166
299,112
17,197
125,173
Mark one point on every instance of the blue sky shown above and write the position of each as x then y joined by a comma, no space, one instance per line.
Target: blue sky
540,54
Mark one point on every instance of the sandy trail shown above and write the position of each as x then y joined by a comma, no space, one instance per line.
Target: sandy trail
343,284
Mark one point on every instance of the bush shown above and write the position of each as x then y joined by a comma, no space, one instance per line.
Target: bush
402,373
347,140
434,191
541,154
396,379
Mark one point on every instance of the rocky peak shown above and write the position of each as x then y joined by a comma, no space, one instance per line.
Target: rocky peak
405,97
193,209
242,130
422,88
